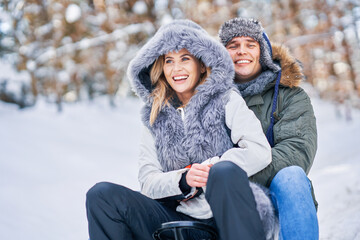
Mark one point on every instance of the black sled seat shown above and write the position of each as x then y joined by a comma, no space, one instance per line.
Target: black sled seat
177,230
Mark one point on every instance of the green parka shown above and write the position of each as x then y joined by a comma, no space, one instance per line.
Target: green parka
295,134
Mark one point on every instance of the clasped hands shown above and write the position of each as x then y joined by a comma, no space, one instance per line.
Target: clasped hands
198,174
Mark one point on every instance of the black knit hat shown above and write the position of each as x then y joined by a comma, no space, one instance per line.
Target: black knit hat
248,27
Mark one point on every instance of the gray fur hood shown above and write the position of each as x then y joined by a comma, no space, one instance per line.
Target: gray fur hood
175,36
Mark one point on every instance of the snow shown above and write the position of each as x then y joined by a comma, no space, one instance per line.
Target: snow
4,27
12,80
73,13
336,172
140,8
49,160
31,65
9,73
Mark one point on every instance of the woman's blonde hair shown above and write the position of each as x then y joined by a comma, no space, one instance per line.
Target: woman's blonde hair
162,91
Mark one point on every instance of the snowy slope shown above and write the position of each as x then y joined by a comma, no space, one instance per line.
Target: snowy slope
48,160
336,173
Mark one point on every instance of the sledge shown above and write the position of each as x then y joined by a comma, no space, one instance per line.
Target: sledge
176,229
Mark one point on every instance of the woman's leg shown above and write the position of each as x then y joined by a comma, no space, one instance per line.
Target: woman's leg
232,203
116,212
292,199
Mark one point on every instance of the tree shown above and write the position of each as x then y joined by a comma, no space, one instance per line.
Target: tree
73,49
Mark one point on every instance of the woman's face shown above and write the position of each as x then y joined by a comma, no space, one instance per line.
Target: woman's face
182,71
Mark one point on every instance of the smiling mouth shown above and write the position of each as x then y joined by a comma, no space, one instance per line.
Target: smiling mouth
180,78
242,61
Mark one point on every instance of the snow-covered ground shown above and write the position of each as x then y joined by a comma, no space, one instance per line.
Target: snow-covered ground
48,160
336,172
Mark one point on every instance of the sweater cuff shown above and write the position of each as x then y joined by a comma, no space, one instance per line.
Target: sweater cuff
184,187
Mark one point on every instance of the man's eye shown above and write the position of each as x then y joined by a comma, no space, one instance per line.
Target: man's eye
231,47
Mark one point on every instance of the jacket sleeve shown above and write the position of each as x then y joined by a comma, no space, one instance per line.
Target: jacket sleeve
155,183
295,135
253,152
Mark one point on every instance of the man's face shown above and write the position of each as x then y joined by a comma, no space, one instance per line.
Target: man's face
245,53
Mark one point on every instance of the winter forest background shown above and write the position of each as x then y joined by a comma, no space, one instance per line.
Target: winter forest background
77,50
68,118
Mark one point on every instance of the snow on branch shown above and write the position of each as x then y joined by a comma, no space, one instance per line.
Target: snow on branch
96,41
306,39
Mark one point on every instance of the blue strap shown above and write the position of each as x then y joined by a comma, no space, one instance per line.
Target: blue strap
270,132
268,42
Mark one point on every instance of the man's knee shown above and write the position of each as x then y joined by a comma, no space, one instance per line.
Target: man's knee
292,175
289,184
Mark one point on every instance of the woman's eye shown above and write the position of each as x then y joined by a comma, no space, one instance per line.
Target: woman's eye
185,59
168,61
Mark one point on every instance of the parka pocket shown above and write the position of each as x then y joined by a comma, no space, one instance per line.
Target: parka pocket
289,128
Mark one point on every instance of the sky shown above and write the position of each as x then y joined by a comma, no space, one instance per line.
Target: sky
48,161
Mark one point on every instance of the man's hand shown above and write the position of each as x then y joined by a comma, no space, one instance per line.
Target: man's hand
198,175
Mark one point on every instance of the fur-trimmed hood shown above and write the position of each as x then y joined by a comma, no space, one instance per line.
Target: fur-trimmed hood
292,73
180,142
173,37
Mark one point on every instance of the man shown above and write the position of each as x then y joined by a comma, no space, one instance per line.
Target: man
268,78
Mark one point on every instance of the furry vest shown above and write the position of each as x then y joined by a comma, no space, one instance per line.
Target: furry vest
200,136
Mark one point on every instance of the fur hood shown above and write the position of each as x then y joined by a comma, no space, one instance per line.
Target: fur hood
202,133
291,69
173,37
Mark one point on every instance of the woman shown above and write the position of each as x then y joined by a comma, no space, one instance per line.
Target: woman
189,168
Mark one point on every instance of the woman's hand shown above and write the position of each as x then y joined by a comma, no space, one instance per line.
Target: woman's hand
198,175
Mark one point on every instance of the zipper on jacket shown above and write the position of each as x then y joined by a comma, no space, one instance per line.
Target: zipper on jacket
182,112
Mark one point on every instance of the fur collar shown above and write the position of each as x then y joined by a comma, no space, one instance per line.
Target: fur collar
291,69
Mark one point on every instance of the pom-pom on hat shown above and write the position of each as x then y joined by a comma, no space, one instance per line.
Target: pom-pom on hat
249,27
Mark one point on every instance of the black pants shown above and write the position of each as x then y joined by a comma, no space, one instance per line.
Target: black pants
117,213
